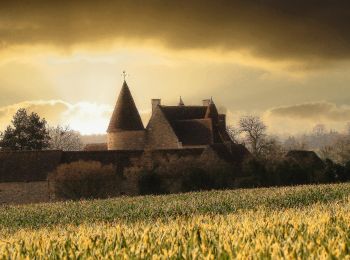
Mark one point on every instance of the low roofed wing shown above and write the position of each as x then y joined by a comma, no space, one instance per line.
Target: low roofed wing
125,115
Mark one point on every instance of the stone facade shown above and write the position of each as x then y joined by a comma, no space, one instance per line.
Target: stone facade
126,140
160,135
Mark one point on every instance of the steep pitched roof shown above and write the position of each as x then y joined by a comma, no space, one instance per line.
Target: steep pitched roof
194,131
173,113
125,115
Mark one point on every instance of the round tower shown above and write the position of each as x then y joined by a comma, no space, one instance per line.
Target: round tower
125,130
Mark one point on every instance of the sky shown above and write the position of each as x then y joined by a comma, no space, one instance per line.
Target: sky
286,61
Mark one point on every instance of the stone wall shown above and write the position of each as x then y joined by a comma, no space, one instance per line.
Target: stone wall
126,140
119,158
23,175
31,166
28,166
24,192
160,135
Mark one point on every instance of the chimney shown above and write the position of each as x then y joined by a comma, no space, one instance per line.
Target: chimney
155,103
222,120
206,102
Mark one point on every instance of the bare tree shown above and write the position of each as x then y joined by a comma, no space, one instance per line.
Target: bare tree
339,151
254,130
327,152
234,133
64,138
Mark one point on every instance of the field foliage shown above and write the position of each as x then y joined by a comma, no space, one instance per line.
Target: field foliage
304,221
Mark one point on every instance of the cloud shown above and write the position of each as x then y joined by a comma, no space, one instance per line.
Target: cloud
312,32
301,118
314,111
51,110
88,118
85,117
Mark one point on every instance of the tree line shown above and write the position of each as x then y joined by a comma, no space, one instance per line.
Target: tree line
328,144
30,132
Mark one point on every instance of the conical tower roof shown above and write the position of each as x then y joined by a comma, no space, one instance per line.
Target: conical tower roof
125,115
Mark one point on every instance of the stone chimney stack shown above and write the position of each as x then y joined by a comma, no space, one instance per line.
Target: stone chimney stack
222,120
155,103
206,102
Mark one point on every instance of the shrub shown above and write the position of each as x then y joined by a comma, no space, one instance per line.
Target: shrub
195,178
180,174
149,182
347,170
254,169
335,172
84,179
291,173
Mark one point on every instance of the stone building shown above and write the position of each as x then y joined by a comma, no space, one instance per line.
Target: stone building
170,127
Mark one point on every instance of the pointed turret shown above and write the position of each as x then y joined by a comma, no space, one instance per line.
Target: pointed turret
181,103
125,116
212,112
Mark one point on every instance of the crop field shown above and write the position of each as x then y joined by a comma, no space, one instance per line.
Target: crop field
295,222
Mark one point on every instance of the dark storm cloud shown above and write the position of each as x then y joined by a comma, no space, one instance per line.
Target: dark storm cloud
312,31
314,111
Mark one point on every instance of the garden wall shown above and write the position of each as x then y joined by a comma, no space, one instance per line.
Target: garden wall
31,166
28,166
24,192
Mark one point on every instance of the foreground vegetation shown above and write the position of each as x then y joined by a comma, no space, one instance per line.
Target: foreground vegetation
305,221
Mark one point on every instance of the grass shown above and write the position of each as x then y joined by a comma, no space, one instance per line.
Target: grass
304,221
149,208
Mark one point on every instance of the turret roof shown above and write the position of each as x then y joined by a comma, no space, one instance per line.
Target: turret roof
125,115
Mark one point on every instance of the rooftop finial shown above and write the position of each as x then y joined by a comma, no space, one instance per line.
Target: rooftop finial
181,103
124,74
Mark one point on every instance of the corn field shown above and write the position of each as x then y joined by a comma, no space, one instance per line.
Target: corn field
296,222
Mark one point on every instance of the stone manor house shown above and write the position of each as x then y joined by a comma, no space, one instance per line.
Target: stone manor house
170,127
172,132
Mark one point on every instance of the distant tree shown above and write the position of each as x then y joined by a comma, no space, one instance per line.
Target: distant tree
291,143
254,130
319,129
234,133
339,151
28,132
327,152
271,148
64,138
335,172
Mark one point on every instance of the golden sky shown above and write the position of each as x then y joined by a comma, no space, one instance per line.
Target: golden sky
285,60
